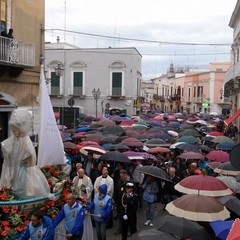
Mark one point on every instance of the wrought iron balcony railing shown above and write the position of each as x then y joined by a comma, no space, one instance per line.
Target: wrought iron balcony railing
16,53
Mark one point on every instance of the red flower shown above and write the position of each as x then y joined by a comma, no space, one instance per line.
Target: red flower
5,223
5,209
7,228
26,222
53,216
14,209
42,208
46,166
3,196
50,203
20,228
3,233
55,174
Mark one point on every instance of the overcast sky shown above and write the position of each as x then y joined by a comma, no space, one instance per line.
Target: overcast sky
178,21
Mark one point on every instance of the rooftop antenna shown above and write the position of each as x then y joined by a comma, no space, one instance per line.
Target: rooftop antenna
65,11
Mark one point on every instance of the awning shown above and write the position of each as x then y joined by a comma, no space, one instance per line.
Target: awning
232,118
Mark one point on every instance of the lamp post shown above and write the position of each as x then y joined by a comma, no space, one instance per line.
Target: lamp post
96,95
59,72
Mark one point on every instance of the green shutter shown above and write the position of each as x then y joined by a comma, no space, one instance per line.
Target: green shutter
77,79
54,80
117,84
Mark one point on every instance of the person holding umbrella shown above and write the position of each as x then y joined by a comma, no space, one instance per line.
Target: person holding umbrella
150,190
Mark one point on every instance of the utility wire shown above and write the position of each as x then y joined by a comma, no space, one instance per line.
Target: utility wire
140,40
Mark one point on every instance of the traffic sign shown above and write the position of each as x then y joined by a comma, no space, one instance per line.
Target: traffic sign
71,102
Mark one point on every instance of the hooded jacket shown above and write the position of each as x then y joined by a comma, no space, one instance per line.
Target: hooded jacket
102,204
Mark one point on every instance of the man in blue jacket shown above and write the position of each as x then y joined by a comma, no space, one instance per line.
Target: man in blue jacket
102,205
73,213
40,227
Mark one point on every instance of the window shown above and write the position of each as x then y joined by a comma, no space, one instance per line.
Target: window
55,84
116,84
78,83
200,91
194,91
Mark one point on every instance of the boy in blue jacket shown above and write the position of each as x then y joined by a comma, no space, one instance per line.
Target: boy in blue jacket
102,205
40,227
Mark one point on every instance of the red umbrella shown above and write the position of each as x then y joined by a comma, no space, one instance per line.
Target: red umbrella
198,208
159,150
215,134
203,185
218,156
234,233
191,155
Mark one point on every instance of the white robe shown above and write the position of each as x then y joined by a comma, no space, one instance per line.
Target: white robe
20,171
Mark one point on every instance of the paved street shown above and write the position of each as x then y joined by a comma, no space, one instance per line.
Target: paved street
140,226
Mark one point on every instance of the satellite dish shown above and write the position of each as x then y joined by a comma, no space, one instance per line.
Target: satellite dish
235,156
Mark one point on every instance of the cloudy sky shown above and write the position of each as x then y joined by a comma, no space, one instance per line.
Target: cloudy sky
182,32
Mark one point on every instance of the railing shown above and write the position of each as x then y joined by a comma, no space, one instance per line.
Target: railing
77,91
55,91
16,52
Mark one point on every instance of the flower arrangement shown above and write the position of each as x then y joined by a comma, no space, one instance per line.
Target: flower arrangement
13,219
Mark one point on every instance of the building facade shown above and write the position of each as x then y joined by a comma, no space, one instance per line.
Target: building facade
232,77
115,72
19,56
192,91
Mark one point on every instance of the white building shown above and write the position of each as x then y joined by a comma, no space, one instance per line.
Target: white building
116,72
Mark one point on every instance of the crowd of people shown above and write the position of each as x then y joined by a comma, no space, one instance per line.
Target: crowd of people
101,189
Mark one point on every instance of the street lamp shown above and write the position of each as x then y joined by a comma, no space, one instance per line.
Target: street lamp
59,72
96,95
221,93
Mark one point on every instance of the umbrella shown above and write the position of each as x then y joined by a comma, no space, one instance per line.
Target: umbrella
191,155
114,157
221,228
198,208
204,148
148,156
215,134
173,133
154,142
175,145
186,126
95,137
133,155
231,182
91,143
153,234
231,202
110,138
139,126
234,156
132,142
70,145
188,139
221,139
189,147
227,169
118,147
159,150
154,123
181,227
113,129
106,122
218,156
92,149
155,172
226,146
203,185
189,132
234,232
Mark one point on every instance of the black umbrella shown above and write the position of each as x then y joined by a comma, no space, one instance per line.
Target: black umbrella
181,227
234,156
188,147
114,157
231,202
113,129
119,147
155,172
154,142
153,234
189,132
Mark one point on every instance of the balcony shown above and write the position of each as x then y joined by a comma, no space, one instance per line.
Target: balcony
174,98
198,100
78,92
117,92
16,54
55,91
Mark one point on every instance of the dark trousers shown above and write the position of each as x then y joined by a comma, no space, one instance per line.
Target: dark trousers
130,223
101,230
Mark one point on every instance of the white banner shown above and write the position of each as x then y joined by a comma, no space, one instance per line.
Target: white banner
50,148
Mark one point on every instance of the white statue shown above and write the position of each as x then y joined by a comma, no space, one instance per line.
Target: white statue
19,167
